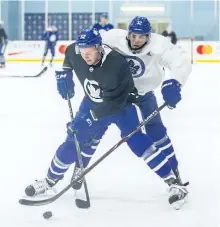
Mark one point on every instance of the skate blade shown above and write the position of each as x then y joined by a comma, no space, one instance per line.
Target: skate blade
178,204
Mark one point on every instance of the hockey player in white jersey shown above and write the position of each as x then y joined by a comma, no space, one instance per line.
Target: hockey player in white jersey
148,54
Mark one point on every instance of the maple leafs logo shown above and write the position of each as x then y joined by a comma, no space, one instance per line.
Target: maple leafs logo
133,68
92,89
83,36
95,32
136,66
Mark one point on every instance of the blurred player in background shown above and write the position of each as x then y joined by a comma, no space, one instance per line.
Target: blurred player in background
103,25
51,37
3,44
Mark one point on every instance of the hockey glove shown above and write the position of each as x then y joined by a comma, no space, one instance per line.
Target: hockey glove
171,92
65,84
84,123
134,97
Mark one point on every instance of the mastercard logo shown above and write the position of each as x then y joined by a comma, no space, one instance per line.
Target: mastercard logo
204,49
62,49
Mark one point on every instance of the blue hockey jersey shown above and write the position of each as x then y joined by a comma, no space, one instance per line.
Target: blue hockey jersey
51,37
105,27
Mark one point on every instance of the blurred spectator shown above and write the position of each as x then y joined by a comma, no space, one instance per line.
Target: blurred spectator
103,25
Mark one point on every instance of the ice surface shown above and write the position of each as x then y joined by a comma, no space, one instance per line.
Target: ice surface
124,192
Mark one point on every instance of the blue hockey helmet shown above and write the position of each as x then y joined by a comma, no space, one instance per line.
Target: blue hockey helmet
140,25
89,38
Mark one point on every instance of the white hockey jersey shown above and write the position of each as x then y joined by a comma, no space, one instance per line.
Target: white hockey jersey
147,66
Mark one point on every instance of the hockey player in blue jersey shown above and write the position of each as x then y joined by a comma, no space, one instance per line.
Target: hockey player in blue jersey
108,92
51,37
3,43
103,25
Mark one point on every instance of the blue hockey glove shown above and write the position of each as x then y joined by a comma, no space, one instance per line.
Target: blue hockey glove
82,123
65,84
171,92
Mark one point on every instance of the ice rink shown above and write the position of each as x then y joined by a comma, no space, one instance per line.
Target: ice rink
124,192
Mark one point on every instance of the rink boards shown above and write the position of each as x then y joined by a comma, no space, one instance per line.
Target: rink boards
32,51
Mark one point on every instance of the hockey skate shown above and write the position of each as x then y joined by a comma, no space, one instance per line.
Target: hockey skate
2,64
77,172
2,61
178,193
178,178
40,187
176,172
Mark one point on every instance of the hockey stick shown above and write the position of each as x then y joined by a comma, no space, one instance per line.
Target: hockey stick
26,76
86,171
84,204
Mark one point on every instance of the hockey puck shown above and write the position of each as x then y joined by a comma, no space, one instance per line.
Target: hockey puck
47,214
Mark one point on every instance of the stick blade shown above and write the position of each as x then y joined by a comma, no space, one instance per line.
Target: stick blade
82,204
28,202
25,76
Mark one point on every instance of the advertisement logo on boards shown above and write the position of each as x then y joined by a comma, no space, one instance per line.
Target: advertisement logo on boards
62,48
204,49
